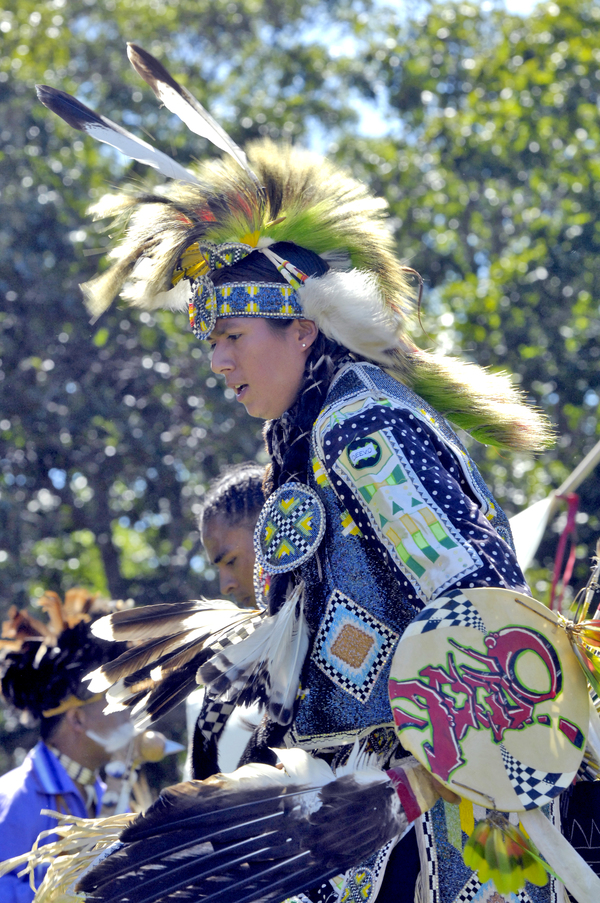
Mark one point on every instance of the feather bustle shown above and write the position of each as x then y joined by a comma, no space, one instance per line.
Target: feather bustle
267,665
178,638
255,834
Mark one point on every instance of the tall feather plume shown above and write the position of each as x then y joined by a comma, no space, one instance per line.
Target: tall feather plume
80,117
178,100
259,833
307,200
304,199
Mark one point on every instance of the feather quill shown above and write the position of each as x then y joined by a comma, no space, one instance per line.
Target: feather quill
136,659
166,618
80,117
179,101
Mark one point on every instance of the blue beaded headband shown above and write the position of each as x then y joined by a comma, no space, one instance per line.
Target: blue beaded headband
242,299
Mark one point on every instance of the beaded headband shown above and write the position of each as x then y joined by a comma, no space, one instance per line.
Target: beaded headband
240,299
72,702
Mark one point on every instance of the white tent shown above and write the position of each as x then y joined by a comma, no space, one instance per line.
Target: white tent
528,526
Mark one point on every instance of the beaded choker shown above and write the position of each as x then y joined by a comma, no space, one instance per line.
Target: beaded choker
78,773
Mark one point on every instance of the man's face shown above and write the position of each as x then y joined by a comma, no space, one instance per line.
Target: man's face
109,732
231,550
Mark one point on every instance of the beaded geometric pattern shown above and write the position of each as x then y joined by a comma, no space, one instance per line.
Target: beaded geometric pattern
289,529
470,891
352,646
362,884
534,788
244,299
214,717
402,514
200,258
451,610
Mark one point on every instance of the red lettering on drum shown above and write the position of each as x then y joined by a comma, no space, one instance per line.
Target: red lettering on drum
494,697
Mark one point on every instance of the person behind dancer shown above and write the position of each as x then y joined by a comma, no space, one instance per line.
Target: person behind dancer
226,523
43,667
374,507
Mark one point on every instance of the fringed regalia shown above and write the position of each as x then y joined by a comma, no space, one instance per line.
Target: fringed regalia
374,510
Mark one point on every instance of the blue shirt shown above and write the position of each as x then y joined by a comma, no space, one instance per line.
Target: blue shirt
39,783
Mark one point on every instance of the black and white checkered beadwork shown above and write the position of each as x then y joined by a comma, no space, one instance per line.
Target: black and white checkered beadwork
289,529
236,634
533,787
451,610
352,645
214,717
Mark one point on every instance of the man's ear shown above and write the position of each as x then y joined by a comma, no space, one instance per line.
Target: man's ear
76,720
307,332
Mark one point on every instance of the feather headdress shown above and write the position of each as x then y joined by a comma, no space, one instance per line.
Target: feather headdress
274,194
42,664
172,236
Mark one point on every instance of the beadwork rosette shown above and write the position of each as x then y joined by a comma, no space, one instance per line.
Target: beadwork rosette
289,529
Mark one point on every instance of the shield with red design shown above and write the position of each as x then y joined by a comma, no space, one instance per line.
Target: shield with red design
488,695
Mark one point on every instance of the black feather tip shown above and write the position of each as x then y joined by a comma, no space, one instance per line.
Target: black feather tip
74,113
149,68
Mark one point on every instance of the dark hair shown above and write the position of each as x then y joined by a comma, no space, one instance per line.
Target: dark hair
256,267
236,494
39,676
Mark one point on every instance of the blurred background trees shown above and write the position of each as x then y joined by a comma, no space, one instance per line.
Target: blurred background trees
479,127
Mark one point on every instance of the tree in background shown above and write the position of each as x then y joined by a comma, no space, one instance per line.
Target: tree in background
491,164
110,431
486,145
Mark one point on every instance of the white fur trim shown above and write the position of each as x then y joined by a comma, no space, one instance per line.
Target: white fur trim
176,298
349,308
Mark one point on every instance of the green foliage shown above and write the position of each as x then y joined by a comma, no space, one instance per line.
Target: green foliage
111,431
486,145
491,168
